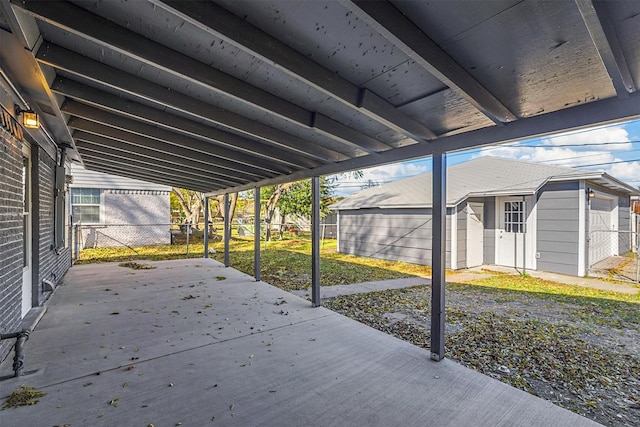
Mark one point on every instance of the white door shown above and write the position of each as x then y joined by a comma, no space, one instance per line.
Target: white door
601,238
27,288
475,234
515,236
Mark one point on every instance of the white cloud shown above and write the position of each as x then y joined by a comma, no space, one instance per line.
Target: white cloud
347,185
394,171
582,151
593,136
628,172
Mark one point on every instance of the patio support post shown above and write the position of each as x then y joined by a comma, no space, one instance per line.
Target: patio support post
227,229
315,241
256,234
438,258
206,227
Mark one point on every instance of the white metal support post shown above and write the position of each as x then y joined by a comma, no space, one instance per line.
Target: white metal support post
438,257
256,234
315,241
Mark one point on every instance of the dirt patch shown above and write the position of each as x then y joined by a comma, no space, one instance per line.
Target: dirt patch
575,354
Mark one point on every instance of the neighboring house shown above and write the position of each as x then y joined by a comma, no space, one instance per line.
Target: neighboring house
499,211
117,211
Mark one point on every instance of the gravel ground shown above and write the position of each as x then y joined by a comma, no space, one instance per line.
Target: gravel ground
577,355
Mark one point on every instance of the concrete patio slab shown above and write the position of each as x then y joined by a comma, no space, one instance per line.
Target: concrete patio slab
193,343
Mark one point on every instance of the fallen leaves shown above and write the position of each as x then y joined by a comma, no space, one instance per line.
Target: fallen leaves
136,266
542,343
23,396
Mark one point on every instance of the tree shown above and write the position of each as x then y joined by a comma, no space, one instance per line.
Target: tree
270,196
191,205
296,200
190,202
219,208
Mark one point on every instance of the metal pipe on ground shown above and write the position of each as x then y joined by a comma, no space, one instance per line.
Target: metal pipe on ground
18,359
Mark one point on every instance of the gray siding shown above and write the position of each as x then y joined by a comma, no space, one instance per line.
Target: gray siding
557,227
489,230
462,236
393,234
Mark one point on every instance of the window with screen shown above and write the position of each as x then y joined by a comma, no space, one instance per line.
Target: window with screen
514,217
85,205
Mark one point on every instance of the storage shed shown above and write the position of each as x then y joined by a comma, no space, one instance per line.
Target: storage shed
499,211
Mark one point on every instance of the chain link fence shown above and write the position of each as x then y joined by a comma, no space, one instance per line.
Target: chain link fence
613,254
184,235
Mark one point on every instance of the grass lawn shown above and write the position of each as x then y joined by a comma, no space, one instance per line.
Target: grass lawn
284,263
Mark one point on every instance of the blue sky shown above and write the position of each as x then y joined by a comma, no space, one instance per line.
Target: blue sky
614,149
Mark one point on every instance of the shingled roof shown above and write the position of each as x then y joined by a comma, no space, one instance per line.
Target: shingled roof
484,176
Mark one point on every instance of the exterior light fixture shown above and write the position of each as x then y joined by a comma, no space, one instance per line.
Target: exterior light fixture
590,193
30,119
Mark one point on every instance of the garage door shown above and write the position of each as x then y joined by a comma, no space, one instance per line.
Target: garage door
601,238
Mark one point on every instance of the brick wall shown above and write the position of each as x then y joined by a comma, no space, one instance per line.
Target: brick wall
10,236
136,207
52,262
48,262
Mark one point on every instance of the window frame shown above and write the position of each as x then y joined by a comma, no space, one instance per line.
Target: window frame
100,204
515,216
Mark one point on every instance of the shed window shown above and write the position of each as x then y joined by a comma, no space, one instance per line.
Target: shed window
514,217
85,205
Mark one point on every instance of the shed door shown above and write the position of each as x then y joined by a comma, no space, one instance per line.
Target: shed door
515,236
602,238
475,234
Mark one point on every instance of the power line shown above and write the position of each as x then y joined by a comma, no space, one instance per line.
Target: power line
521,145
607,163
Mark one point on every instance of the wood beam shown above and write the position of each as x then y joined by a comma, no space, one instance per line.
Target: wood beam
105,167
102,100
383,17
83,23
143,165
125,83
598,22
200,148
606,111
231,28
168,151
